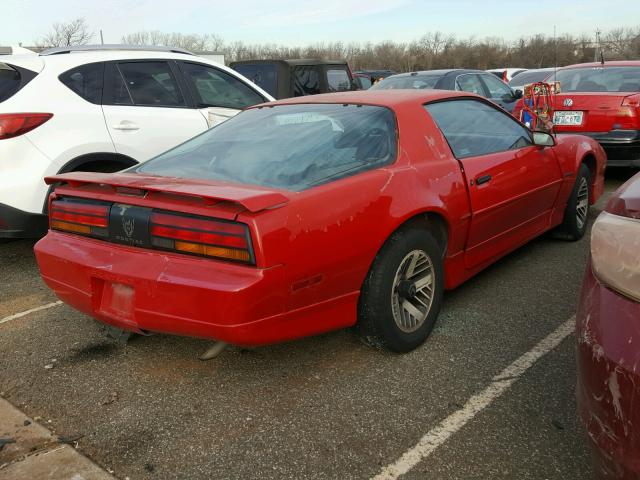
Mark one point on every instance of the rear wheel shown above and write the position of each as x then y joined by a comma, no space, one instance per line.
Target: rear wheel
576,214
402,294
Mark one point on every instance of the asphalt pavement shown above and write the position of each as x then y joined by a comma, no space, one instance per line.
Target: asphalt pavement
326,407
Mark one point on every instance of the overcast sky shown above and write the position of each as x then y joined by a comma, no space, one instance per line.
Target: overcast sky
298,22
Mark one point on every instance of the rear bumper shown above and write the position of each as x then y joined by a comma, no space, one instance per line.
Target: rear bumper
608,343
141,290
16,223
622,146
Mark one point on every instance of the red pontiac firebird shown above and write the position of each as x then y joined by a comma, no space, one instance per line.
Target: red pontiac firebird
312,214
608,338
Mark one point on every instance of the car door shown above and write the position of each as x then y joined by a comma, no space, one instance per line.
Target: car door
146,109
217,94
499,92
512,183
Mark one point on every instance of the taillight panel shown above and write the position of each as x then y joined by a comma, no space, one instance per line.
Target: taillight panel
151,228
87,218
16,124
201,236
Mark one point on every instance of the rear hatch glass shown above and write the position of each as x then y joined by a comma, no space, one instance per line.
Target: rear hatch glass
600,79
12,79
407,82
290,147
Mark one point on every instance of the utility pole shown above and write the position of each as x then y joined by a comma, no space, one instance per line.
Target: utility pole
101,37
598,47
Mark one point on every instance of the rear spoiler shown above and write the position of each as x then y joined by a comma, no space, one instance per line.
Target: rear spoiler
253,198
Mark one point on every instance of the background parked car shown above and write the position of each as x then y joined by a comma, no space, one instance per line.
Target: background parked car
601,101
528,77
506,74
101,108
324,226
473,81
16,50
608,338
296,78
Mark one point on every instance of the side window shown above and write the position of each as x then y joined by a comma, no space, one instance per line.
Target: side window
150,84
85,81
338,79
265,75
470,83
497,88
215,88
363,82
121,95
474,128
305,81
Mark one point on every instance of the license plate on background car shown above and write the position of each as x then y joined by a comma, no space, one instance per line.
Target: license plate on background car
567,118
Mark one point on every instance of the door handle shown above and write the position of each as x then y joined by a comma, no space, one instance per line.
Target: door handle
126,126
483,179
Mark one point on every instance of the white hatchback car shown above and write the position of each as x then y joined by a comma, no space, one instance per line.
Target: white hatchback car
101,108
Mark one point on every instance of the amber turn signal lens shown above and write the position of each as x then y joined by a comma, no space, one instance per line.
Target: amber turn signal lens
212,251
70,227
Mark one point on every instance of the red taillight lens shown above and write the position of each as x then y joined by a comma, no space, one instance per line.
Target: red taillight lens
201,236
631,101
15,124
79,217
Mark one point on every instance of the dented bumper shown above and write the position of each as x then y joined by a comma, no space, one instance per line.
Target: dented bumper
608,390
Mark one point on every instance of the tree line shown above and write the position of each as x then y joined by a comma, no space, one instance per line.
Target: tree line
431,51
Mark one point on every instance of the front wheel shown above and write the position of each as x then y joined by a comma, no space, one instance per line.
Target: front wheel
402,294
574,224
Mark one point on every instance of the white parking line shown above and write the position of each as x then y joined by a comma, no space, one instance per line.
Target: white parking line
27,312
478,402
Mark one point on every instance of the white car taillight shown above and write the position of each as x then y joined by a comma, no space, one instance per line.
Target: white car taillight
615,253
16,124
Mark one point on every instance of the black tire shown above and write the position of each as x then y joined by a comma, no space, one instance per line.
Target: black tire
377,325
572,228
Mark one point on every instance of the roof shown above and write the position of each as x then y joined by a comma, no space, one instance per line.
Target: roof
112,47
441,73
63,62
614,63
383,98
293,61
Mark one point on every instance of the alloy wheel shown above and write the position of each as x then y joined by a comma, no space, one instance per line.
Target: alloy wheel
412,291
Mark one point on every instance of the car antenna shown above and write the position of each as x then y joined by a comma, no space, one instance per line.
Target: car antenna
555,79
600,46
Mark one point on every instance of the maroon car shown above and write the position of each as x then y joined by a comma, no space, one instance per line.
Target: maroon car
608,336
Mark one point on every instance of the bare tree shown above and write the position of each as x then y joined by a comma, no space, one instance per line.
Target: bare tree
75,32
432,51
194,42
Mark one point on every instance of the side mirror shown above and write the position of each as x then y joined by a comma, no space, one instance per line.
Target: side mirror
543,139
517,93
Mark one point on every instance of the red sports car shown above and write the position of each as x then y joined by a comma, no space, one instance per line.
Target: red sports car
608,335
311,214
601,101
